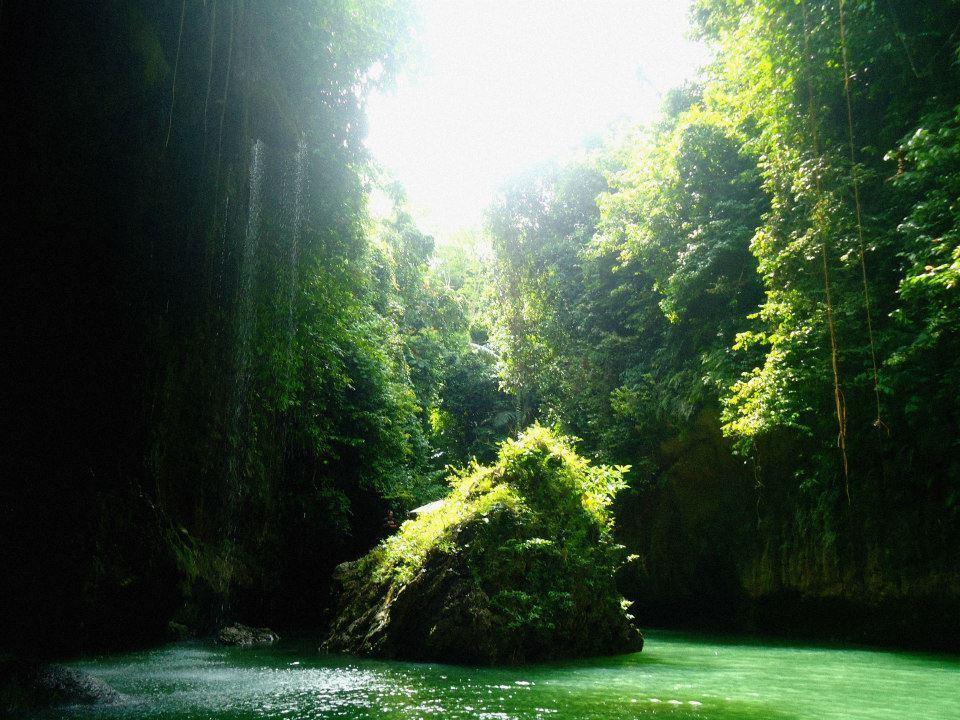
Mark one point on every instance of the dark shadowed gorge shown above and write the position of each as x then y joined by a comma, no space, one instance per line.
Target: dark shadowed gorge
708,365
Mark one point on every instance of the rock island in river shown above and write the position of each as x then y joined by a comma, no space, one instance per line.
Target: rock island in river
517,565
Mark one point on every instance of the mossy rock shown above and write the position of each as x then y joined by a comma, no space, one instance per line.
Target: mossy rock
517,565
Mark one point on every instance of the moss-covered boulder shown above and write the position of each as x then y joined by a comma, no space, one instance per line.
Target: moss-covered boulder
517,565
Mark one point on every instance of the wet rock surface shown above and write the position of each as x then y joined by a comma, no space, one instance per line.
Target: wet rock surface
239,635
34,687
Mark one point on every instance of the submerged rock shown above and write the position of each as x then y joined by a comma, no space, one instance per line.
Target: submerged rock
244,636
516,566
46,686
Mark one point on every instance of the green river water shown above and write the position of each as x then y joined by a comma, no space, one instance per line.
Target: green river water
677,676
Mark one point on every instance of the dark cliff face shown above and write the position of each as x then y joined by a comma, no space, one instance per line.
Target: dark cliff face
74,141
163,183
718,551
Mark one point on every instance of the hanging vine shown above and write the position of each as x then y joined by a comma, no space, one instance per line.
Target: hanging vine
839,403
855,180
900,36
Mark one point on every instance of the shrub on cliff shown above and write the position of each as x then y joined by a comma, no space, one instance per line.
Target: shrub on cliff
516,565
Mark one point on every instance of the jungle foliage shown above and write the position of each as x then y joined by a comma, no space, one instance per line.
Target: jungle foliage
225,369
775,258
230,370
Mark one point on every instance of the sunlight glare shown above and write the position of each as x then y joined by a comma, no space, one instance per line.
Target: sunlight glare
501,86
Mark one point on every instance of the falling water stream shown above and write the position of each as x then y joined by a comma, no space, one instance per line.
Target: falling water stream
676,676
295,225
243,324
248,269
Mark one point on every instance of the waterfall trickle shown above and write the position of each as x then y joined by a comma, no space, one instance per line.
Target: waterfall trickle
299,179
291,229
248,266
220,271
243,324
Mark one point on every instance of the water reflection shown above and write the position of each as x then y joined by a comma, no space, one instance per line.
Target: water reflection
675,677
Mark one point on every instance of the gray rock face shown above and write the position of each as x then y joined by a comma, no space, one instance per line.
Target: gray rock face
54,686
238,635
64,686
435,615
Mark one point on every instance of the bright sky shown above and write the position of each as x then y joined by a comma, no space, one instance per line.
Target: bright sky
501,85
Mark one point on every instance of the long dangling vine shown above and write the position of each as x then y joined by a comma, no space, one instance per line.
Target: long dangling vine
855,179
840,405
